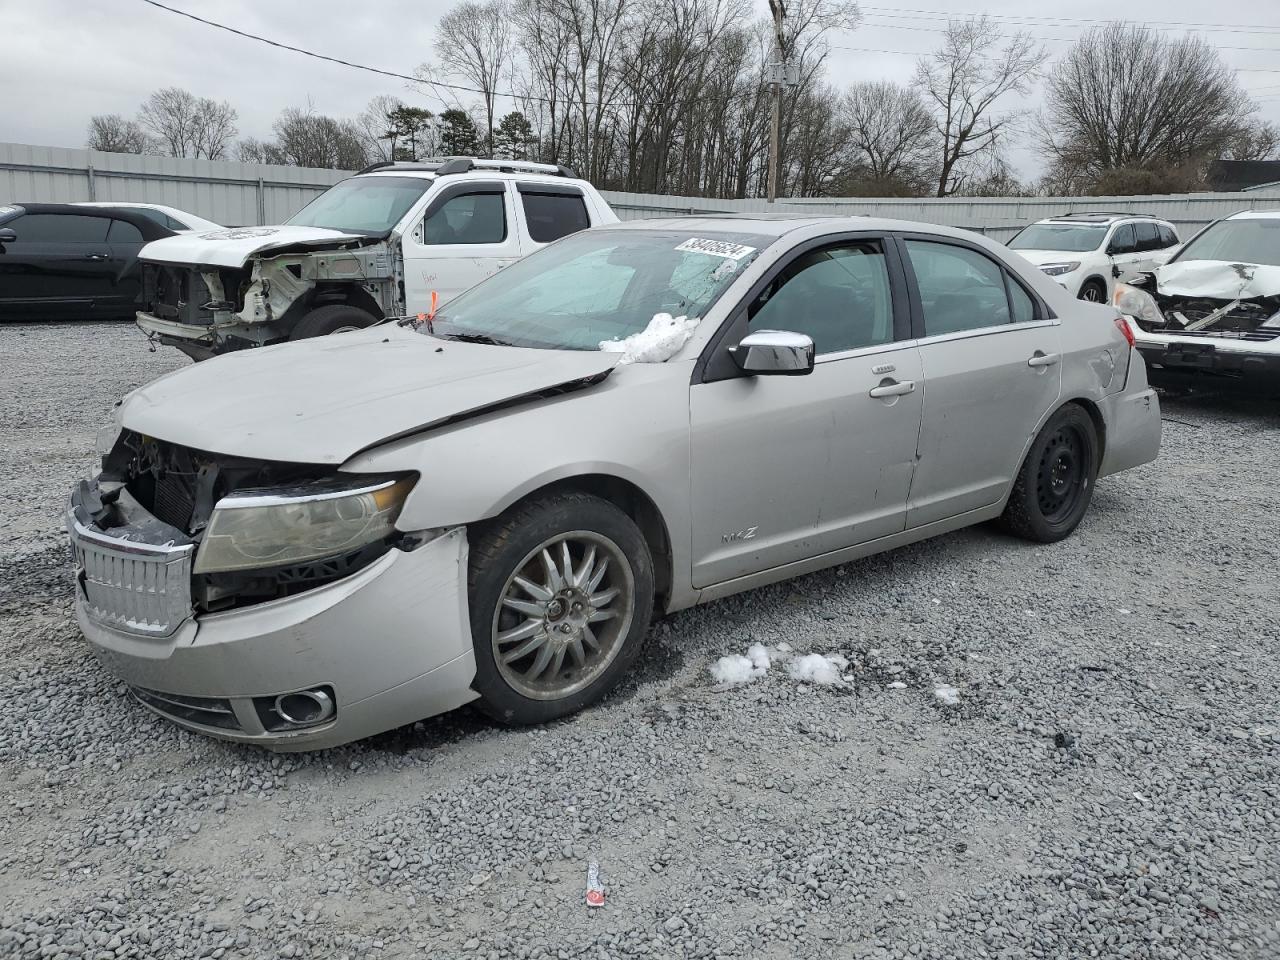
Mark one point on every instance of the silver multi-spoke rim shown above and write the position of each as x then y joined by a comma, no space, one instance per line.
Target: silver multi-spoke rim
349,328
563,615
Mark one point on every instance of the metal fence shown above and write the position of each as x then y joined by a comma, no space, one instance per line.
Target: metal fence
238,194
231,193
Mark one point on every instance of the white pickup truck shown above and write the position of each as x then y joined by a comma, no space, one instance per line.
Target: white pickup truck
396,239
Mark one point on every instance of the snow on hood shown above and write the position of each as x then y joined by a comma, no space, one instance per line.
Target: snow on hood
232,247
1218,280
657,343
324,400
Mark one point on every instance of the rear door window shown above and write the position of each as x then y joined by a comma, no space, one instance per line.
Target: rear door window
960,289
60,228
122,231
551,216
1123,241
1148,236
1167,237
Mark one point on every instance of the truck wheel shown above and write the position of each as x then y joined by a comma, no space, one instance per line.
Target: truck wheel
1093,291
1054,486
560,592
335,318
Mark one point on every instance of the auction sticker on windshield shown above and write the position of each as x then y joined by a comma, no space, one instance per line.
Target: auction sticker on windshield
716,248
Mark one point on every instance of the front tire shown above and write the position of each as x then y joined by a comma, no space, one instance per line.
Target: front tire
560,592
1093,291
334,318
1054,486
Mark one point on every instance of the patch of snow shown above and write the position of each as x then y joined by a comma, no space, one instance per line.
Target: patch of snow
656,343
758,654
946,695
815,668
897,685
734,668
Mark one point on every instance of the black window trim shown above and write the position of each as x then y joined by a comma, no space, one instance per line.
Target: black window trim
1043,312
453,190
551,189
715,362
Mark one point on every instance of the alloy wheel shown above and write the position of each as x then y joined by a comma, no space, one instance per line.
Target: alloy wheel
563,615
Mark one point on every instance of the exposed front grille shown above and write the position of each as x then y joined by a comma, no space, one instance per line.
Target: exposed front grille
1251,336
136,588
206,711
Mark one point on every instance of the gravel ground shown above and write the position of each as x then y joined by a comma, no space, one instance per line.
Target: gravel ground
1106,786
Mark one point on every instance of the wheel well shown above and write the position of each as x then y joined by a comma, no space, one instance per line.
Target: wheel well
636,504
348,293
1098,277
1099,423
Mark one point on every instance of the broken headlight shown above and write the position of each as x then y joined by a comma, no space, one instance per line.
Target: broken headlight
1138,304
258,529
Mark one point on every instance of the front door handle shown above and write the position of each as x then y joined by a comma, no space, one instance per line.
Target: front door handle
892,388
96,257
1044,359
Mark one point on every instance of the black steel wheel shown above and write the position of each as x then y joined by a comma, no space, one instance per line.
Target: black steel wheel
1054,486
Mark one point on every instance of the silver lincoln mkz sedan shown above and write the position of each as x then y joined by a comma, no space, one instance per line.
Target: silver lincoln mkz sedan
301,545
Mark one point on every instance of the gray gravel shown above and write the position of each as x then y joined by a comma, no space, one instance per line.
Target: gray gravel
1107,786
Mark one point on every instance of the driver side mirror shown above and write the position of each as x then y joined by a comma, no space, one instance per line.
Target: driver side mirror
774,352
7,235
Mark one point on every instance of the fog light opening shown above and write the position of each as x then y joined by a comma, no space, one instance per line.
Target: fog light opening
304,708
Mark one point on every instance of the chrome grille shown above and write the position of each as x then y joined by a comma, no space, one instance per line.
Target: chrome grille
137,588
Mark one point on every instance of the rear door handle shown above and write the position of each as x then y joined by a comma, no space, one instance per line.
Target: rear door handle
95,256
1044,360
892,389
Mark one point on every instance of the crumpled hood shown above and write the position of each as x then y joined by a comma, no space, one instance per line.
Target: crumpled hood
1041,257
232,247
1217,279
326,399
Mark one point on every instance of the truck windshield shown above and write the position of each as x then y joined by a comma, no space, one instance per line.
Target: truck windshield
363,204
599,285
1068,237
1251,240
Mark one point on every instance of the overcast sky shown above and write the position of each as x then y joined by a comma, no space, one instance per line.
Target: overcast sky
66,60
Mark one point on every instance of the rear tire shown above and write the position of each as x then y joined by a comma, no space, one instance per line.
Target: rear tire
1093,291
1054,486
563,635
335,318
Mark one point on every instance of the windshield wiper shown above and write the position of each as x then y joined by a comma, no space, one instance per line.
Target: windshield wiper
476,338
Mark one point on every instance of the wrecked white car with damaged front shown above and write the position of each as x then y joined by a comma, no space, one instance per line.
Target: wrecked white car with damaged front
1211,316
397,239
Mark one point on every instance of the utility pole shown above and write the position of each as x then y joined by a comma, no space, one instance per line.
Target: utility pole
777,73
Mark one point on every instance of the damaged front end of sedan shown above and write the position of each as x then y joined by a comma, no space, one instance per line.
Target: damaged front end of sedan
1206,322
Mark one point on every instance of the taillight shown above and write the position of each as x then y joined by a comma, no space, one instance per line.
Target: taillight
1123,324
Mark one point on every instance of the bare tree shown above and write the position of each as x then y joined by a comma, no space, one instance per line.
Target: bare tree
114,134
473,41
250,150
1258,141
306,139
892,135
1133,100
187,125
963,82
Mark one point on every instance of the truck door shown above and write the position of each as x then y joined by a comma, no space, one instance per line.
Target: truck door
467,232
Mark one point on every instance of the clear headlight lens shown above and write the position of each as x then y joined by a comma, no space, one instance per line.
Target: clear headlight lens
1137,303
253,529
1058,269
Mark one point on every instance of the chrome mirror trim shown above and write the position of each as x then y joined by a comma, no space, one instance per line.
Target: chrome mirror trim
775,352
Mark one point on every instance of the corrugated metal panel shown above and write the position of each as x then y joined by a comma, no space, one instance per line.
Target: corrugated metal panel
227,192
236,194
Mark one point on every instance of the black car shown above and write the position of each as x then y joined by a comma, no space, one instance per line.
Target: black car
60,261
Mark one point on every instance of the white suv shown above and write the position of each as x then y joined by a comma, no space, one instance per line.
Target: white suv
396,239
1088,252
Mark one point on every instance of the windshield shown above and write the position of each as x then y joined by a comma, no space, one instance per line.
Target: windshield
1072,237
1237,241
599,286
363,204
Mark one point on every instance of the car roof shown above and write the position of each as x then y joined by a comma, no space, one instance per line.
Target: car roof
1101,219
486,174
1255,215
149,229
779,224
